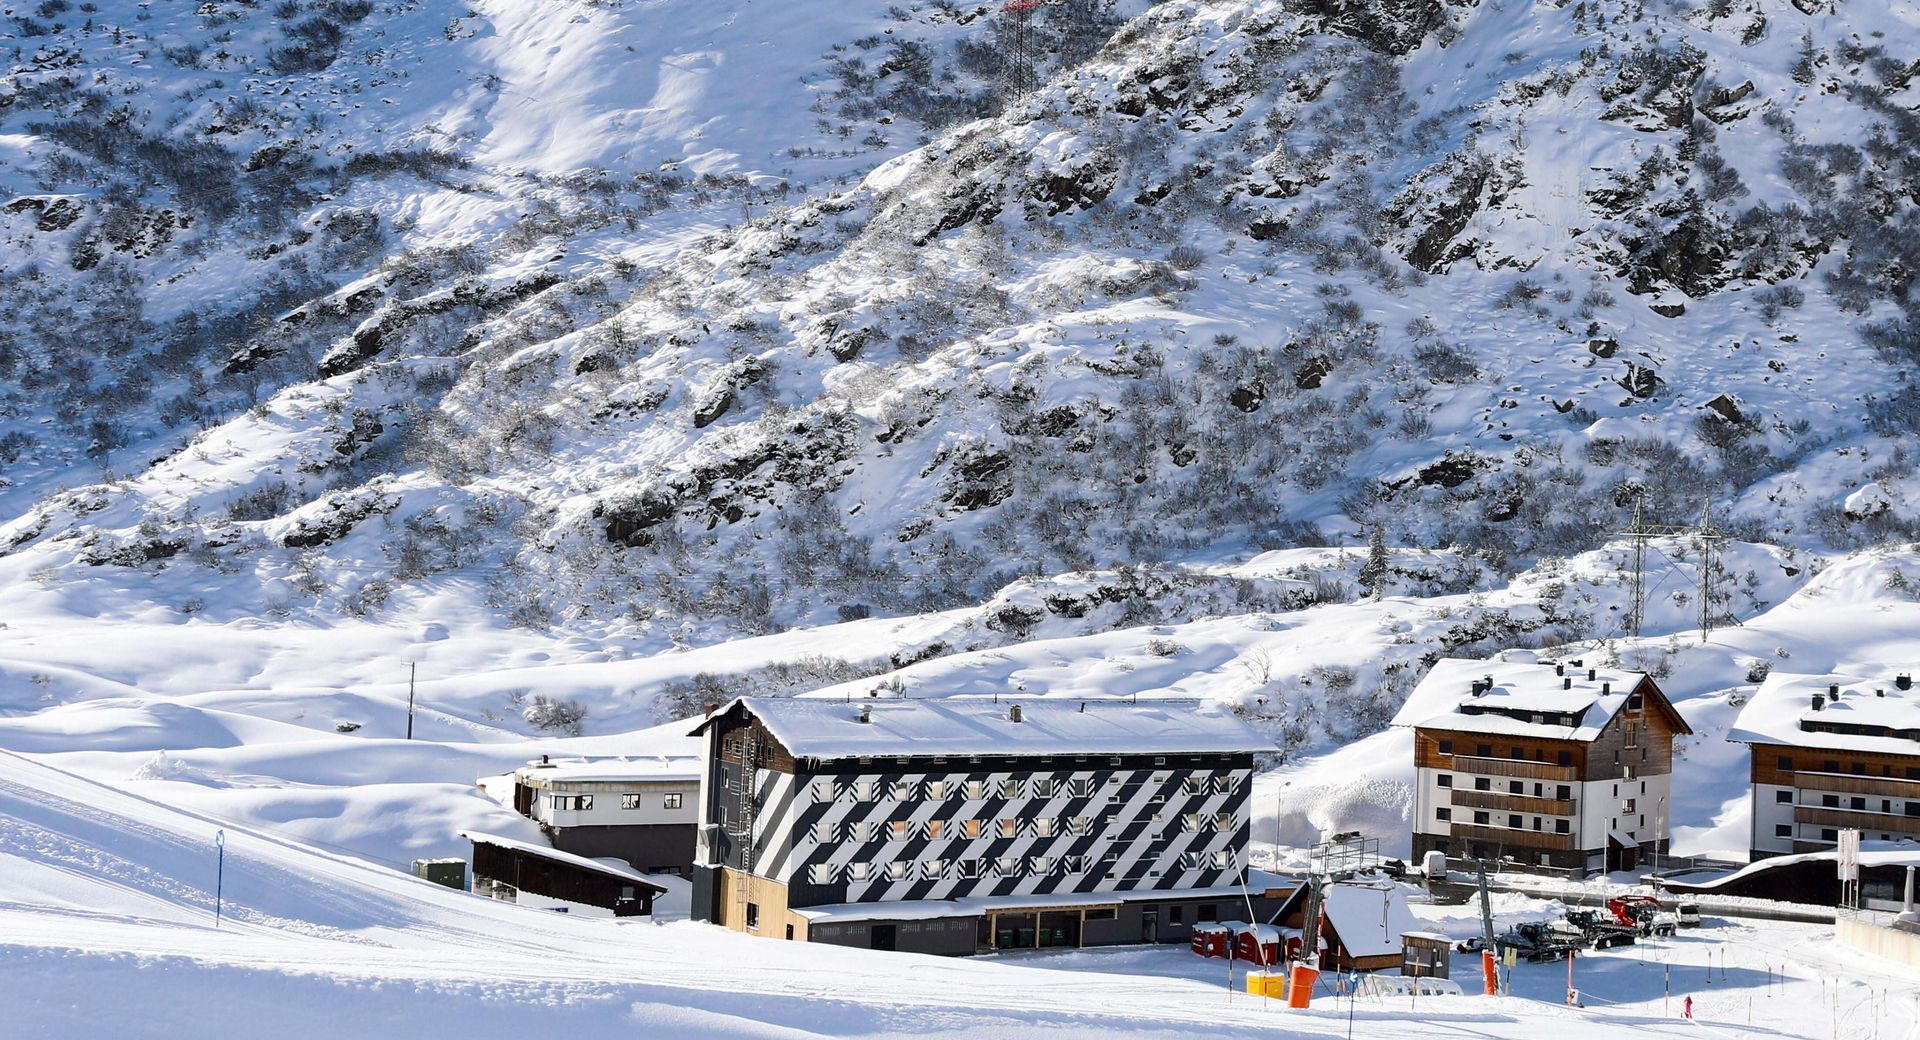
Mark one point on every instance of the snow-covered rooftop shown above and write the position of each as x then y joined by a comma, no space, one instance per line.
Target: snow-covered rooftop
1870,715
1564,701
612,770
821,728
1369,917
610,868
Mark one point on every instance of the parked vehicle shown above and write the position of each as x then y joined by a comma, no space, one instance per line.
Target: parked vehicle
1601,930
1538,943
1644,915
1689,914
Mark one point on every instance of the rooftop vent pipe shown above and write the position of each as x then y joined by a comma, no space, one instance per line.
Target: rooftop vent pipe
1833,690
1567,683
1559,669
1903,681
1819,703
1013,713
1592,674
1606,688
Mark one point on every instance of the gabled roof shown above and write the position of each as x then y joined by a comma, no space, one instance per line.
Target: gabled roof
1565,701
1368,917
596,866
980,726
1870,715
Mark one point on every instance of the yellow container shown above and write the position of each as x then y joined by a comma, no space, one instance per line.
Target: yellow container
1267,984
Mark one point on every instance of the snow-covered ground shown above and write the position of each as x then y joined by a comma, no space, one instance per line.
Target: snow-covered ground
106,928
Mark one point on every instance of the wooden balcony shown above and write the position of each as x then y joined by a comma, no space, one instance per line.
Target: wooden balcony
1883,786
1503,802
1883,823
1517,768
1501,837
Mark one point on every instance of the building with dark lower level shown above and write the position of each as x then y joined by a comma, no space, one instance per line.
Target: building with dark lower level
1557,765
969,823
639,809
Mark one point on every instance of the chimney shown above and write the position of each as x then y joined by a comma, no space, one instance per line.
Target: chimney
1903,681
1879,693
1567,683
1013,713
865,715
1819,703
1592,674
544,760
1833,690
1559,669
1606,689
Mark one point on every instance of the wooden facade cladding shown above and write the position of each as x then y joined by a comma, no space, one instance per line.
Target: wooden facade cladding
1515,839
1502,802
1637,741
1505,756
1825,769
1512,768
734,732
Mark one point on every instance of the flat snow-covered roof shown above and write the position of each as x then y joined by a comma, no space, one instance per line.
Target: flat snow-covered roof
614,770
831,729
1779,711
598,866
1542,695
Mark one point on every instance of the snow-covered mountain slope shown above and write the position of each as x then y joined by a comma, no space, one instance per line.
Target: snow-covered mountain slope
1246,276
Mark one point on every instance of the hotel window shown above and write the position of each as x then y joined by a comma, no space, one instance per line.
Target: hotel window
971,828
1481,783
1196,785
900,830
1113,796
1076,864
1481,817
1444,779
1007,827
1628,807
826,831
936,829
1443,813
1006,866
1516,787
1223,859
1226,783
900,790
575,802
1045,788
820,873
1563,792
1009,788
936,789
1830,801
1829,834
866,790
898,870
1564,758
859,871
1192,860
1082,825
1223,821
1161,778
1783,797
1043,827
1040,864
1857,804
1514,821
1080,787
632,801
976,789
1633,733
933,870
1446,747
1483,750
1191,821
1562,826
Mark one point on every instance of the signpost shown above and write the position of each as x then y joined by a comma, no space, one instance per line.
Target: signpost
219,871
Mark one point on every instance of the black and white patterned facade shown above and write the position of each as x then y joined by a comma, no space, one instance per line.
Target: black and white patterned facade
944,829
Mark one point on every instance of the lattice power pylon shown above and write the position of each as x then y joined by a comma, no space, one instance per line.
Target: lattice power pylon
1017,73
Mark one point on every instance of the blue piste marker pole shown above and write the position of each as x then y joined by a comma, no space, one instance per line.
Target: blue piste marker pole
219,871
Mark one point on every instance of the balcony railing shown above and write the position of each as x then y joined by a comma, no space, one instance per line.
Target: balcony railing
1826,816
1513,767
1884,786
1506,802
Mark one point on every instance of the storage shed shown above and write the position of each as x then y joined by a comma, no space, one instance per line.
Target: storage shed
535,875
